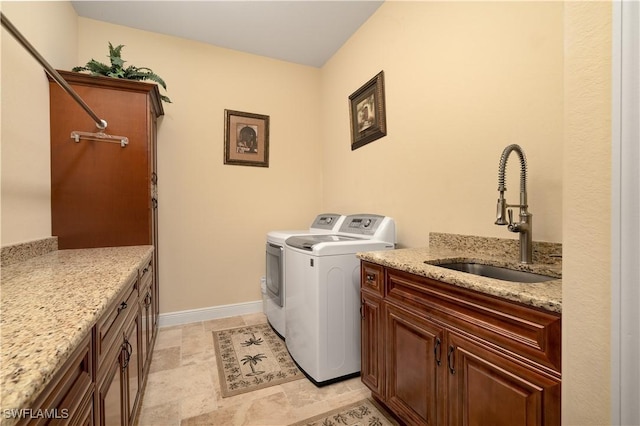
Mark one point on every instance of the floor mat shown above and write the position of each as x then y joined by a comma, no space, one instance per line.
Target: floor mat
363,413
252,357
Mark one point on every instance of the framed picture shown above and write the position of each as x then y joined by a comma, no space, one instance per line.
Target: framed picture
246,138
367,112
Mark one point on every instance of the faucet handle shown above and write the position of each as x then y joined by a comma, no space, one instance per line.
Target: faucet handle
501,207
510,214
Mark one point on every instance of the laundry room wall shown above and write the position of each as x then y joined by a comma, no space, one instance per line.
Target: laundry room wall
463,80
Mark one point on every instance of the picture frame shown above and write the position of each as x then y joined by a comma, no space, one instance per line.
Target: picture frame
246,138
367,112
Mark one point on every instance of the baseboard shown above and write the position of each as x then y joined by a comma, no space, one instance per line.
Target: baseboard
205,314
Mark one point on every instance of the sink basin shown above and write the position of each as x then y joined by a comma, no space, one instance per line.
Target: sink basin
497,272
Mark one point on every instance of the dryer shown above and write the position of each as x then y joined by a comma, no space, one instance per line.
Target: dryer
274,305
323,295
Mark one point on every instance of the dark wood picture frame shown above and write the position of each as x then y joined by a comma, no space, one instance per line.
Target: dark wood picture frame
367,112
246,138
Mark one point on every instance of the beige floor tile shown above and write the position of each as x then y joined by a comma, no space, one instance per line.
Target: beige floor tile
198,404
165,359
223,323
168,337
177,384
159,415
252,319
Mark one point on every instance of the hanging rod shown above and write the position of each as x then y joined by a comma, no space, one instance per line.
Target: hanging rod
101,124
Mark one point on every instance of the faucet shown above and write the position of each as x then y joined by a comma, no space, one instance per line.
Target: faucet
524,226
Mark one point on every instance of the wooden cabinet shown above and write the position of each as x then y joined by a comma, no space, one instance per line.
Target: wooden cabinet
103,194
69,397
371,362
110,392
413,366
120,376
457,357
149,315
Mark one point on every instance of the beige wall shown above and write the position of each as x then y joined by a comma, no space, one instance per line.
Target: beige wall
51,27
463,81
213,218
586,293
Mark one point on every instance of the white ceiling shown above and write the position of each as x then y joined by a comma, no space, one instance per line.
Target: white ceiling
301,31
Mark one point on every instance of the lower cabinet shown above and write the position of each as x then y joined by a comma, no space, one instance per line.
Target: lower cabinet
119,385
103,380
436,354
110,393
414,356
68,400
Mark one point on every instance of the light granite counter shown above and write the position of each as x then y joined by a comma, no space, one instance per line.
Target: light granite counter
448,248
49,303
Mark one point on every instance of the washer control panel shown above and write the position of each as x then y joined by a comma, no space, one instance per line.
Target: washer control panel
361,224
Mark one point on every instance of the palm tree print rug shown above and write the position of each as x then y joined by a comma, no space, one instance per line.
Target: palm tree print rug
363,413
250,358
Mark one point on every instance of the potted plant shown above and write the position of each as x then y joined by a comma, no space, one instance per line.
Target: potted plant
117,69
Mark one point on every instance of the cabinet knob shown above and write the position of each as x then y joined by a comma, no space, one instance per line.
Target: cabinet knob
122,307
371,277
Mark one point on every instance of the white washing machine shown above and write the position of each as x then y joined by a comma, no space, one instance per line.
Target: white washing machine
323,295
274,305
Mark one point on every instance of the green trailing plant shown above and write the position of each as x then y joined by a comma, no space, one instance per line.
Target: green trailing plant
117,69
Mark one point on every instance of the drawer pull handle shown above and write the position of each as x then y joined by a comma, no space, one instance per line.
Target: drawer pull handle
437,351
371,277
122,307
450,360
128,350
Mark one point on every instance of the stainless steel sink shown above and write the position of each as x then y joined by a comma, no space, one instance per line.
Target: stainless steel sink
497,272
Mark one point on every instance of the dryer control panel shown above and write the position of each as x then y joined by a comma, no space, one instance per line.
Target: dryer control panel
367,225
327,222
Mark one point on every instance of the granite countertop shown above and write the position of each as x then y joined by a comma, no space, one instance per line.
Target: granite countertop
546,295
48,305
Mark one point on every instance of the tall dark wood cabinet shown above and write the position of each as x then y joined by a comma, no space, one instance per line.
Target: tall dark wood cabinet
103,194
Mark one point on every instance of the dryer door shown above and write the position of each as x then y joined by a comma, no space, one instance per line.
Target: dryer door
274,273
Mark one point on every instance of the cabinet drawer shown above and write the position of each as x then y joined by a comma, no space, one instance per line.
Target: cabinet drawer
372,277
109,325
528,334
146,276
69,391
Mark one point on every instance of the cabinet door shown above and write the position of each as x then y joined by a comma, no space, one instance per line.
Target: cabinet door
110,394
415,371
372,349
131,367
146,331
488,388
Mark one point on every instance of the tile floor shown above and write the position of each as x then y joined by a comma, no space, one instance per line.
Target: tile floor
183,387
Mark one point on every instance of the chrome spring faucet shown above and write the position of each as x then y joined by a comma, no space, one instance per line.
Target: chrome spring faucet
524,226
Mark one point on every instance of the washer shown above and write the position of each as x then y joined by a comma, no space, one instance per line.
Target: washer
323,295
274,305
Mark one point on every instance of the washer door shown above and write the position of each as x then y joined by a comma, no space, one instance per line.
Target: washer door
275,274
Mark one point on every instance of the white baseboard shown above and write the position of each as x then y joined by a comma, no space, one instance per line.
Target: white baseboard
205,314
